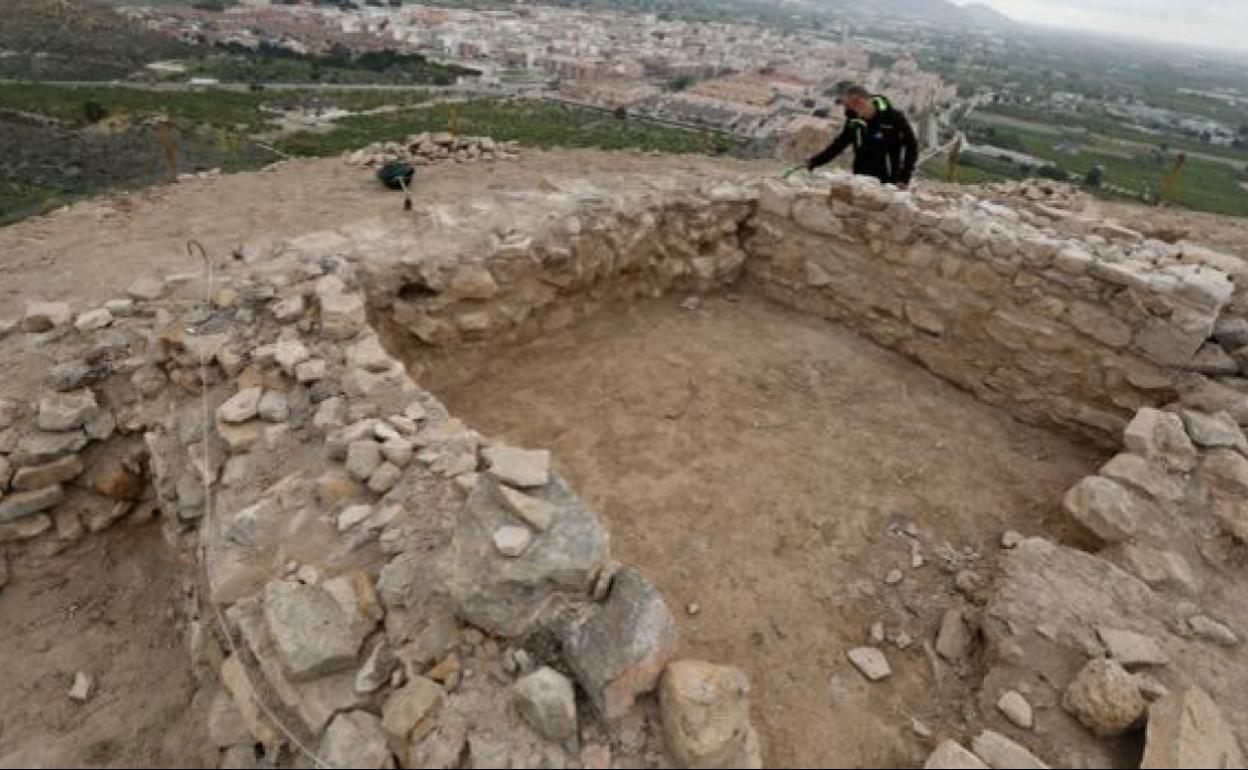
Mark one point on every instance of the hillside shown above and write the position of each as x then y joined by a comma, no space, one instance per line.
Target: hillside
75,40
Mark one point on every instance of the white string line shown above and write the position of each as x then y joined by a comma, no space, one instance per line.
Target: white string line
206,533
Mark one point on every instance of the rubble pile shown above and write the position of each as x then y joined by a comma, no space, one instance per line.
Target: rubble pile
435,147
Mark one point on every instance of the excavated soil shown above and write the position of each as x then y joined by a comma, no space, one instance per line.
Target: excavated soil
764,467
111,607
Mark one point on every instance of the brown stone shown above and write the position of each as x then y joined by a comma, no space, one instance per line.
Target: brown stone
116,482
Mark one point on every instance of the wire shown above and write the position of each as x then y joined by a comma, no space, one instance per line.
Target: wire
206,529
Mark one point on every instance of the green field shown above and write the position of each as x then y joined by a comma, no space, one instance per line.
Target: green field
60,152
1204,185
532,123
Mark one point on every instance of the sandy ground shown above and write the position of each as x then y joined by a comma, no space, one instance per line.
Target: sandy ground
753,460
92,251
108,606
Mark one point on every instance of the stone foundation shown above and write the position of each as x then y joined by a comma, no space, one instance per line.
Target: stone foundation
383,571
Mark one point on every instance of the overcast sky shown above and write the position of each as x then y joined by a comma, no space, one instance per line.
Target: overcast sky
1216,23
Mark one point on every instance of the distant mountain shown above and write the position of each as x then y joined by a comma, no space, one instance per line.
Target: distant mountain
987,16
75,40
939,11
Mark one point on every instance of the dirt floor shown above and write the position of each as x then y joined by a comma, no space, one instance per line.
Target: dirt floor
91,251
109,606
761,465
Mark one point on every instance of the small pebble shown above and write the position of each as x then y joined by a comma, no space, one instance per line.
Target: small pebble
1016,709
877,632
893,577
1010,539
82,687
870,662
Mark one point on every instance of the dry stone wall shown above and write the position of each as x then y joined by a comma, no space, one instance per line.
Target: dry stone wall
1056,323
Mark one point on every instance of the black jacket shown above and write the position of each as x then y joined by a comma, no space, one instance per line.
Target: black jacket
884,146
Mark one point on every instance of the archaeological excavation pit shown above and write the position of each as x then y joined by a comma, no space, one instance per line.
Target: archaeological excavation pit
769,470
898,458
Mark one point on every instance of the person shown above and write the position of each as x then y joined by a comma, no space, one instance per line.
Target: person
884,143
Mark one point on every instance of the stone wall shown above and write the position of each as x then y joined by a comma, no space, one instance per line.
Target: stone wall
373,578
1048,318
1072,329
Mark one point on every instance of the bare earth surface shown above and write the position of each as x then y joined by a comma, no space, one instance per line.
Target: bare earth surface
758,464
108,606
92,251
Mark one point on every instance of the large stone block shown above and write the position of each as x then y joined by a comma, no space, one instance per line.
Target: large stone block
705,710
66,411
503,595
619,648
313,632
1186,729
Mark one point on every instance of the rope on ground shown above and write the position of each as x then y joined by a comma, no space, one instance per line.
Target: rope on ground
206,528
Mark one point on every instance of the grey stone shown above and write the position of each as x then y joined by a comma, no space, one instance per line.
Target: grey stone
146,288
545,700
398,451
37,448
1151,478
518,467
45,316
505,596
950,755
953,641
274,406
384,478
82,688
289,353
356,739
225,723
870,662
376,669
1186,729
363,457
369,355
1225,473
1105,698
58,471
342,312
1160,436
1132,649
71,375
512,541
618,649
1212,630
19,505
409,713
1001,753
1214,430
1212,360
241,407
313,702
93,320
1108,510
66,411
289,309
310,371
1156,567
312,632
